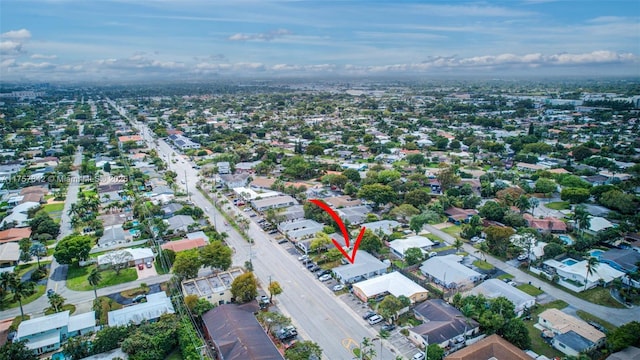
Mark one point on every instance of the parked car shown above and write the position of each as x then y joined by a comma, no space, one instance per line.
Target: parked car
338,287
513,283
148,264
368,314
50,292
141,266
303,257
314,268
286,334
375,319
522,257
325,277
436,243
432,254
388,327
139,298
310,264
418,356
322,272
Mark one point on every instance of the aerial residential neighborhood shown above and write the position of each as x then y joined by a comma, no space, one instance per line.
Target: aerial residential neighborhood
313,180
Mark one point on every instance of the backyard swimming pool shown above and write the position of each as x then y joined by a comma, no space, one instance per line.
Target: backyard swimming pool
569,262
567,240
596,253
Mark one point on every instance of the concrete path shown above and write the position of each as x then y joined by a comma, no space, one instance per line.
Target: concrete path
615,316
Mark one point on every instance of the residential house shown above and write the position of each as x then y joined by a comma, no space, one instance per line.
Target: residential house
291,213
342,201
15,234
400,246
392,283
262,183
449,272
184,244
114,235
625,260
237,335
458,216
9,254
442,324
157,305
19,215
48,333
133,256
300,229
365,266
215,288
628,353
546,225
224,167
572,336
274,202
179,222
573,273
137,139
382,227
597,224
491,347
170,209
234,180
355,215
494,288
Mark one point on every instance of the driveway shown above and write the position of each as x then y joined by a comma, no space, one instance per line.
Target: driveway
147,272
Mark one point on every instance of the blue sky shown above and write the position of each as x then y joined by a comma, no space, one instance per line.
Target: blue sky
184,39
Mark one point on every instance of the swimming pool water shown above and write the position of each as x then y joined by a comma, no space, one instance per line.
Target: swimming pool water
569,262
567,240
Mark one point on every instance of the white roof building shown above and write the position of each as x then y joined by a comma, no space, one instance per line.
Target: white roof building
157,305
365,266
138,255
447,271
19,214
494,288
399,246
576,271
393,283
597,223
384,226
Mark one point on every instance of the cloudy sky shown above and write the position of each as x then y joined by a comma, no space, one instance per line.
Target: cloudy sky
52,40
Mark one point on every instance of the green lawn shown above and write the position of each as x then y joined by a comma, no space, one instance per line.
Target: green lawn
481,264
8,304
443,248
558,205
453,231
77,277
600,296
588,317
537,343
70,307
54,211
505,276
530,289
433,237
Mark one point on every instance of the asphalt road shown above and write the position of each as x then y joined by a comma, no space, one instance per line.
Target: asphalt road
316,312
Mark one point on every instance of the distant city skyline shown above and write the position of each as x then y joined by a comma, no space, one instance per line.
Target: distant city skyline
58,40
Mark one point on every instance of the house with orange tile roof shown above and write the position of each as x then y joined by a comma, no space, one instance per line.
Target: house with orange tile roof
14,234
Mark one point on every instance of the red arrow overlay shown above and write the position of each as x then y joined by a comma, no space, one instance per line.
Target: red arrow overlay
344,231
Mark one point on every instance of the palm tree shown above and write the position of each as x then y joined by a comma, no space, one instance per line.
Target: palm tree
56,301
483,248
20,291
581,217
523,204
458,244
592,264
74,209
38,250
94,279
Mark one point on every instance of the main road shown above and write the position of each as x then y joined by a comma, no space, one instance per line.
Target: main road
317,312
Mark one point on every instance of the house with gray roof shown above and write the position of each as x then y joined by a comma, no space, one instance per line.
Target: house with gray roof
625,260
48,333
442,324
179,222
449,272
113,235
383,226
365,266
157,305
494,288
354,214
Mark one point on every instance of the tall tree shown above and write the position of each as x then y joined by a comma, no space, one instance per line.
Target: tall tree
21,290
274,290
17,350
216,255
244,288
303,350
56,301
447,177
592,264
581,217
187,264
94,279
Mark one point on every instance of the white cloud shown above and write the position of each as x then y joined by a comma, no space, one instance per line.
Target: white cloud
22,34
10,46
44,57
267,36
471,11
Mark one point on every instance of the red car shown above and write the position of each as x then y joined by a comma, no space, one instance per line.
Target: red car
140,266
